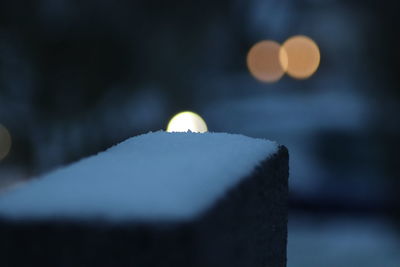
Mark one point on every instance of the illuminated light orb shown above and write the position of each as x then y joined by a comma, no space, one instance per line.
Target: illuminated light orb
266,61
301,56
5,142
185,121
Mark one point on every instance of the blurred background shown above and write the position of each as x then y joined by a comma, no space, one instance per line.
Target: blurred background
77,77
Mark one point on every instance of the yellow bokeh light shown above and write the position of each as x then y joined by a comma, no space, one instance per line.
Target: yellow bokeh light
185,121
301,56
5,142
266,61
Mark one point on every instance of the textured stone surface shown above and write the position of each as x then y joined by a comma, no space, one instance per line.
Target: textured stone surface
246,227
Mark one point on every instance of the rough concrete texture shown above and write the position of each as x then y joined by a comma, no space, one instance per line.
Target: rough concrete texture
246,227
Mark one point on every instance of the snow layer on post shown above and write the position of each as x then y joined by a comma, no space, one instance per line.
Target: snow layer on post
155,176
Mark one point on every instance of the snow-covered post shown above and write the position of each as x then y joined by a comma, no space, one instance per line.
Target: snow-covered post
159,199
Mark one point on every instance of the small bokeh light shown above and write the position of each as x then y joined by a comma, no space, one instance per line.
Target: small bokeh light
266,61
187,121
5,142
301,56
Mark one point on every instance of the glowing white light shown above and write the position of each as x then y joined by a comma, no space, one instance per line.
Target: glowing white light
185,121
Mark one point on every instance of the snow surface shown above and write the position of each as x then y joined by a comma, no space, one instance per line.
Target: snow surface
155,176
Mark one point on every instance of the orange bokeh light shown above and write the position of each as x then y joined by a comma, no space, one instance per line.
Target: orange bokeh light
266,61
302,56
5,142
